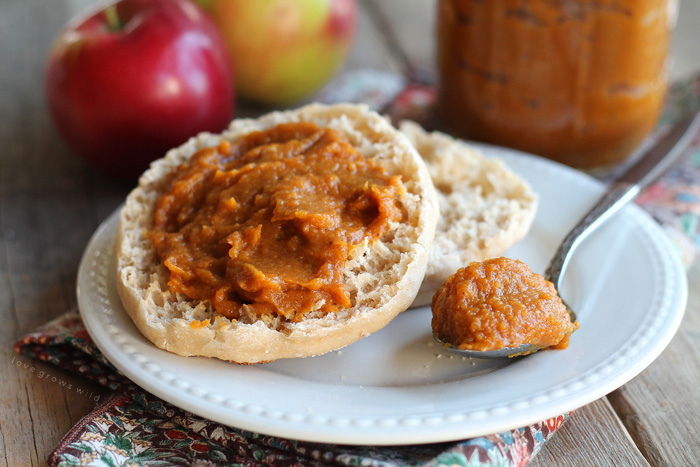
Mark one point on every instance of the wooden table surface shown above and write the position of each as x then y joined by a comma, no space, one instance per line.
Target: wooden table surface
50,204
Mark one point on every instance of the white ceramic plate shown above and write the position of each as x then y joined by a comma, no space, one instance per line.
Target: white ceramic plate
397,387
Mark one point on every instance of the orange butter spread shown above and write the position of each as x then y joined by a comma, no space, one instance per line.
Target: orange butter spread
268,221
500,303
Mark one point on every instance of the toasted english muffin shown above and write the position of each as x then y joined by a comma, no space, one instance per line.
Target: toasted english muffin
485,208
382,277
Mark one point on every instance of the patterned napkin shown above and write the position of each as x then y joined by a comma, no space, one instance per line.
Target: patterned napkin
131,427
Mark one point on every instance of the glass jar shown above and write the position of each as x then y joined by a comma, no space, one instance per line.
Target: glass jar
578,81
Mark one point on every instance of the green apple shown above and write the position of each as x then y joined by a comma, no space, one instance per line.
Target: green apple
284,50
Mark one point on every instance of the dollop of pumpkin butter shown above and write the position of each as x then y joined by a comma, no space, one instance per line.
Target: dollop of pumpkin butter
500,303
268,221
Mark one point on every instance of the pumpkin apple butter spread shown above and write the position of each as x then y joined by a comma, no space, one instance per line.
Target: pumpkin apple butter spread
268,221
500,303
581,82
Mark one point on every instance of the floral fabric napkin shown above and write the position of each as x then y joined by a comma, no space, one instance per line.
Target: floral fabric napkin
131,427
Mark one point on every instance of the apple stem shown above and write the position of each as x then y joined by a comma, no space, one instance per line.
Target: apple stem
112,17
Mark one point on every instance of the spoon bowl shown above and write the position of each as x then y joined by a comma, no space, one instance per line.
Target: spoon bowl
503,352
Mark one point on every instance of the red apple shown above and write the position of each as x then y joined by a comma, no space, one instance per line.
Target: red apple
126,83
284,50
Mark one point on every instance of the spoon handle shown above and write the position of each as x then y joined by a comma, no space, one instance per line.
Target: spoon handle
653,163
619,194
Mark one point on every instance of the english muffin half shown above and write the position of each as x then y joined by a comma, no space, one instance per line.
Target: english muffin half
380,275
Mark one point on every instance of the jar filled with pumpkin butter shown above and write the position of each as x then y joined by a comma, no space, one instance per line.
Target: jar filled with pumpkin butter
578,81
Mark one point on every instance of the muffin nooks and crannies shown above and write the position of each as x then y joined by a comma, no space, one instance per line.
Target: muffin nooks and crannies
500,303
287,236
265,225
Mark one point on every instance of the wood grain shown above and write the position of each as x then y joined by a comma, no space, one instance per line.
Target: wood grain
660,407
369,49
408,28
592,436
691,320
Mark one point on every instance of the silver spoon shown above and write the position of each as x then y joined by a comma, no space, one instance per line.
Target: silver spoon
652,162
